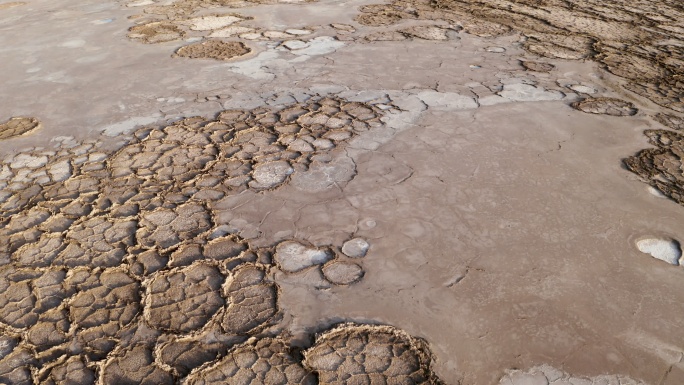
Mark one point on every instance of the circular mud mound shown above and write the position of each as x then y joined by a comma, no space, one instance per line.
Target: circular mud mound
155,32
18,126
214,49
365,354
267,361
606,106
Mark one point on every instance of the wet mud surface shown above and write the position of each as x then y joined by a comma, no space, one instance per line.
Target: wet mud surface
412,192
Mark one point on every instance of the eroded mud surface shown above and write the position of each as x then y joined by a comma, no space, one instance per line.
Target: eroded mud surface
626,38
662,166
18,126
408,163
115,265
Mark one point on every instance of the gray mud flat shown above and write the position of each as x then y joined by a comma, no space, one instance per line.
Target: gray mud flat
324,192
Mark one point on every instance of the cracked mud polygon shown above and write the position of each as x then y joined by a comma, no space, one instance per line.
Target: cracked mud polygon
320,192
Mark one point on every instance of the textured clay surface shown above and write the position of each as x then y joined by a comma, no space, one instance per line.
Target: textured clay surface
18,126
343,192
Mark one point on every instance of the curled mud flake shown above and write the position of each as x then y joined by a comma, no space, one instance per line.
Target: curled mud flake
25,220
266,361
104,304
666,92
253,301
187,353
292,256
51,330
60,171
134,366
355,248
156,32
427,32
606,106
298,31
537,66
560,46
527,93
226,248
233,30
17,126
364,354
214,49
346,28
165,228
672,121
25,294
148,262
342,273
496,49
668,250
582,89
386,36
485,29
276,35
98,242
73,371
212,22
28,161
183,300
295,44
41,253
379,17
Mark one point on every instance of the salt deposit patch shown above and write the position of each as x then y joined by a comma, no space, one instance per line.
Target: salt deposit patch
208,23
528,93
447,100
355,248
319,46
667,250
293,256
271,174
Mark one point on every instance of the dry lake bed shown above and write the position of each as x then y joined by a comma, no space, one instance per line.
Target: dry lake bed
347,192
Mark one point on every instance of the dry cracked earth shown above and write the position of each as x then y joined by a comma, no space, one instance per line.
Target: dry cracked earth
342,192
